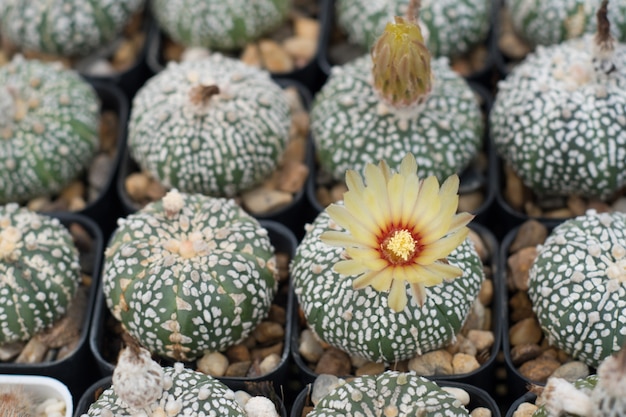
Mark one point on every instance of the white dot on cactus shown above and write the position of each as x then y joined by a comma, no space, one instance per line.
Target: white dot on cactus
173,406
356,396
203,393
594,249
179,367
390,411
618,251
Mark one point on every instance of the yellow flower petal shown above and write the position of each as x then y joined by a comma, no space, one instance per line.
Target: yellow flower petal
369,257
350,267
422,274
427,204
383,279
354,182
395,196
335,238
377,188
397,296
442,248
419,293
364,280
444,271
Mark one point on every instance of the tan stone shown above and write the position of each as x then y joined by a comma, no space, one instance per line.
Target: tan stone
274,57
437,362
540,369
370,368
213,363
471,202
258,354
301,47
292,176
485,295
530,233
334,362
463,363
519,265
525,409
238,353
238,369
524,352
520,306
260,200
525,331
482,339
306,27
269,332
251,55
295,151
514,192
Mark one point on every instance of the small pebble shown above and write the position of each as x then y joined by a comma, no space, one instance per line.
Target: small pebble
269,364
458,393
437,362
571,371
525,409
323,385
213,364
481,412
525,331
309,347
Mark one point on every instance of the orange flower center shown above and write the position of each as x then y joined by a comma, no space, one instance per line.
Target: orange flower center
399,246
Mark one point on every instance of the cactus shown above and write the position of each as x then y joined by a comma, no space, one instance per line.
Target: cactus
189,274
140,385
388,104
577,285
216,24
389,394
558,119
551,22
400,229
213,126
66,28
453,27
49,124
40,272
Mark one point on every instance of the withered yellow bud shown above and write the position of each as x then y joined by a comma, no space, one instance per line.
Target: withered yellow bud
401,70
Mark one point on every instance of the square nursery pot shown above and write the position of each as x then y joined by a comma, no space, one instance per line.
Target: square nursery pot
478,398
483,377
92,394
74,367
336,49
479,180
162,49
38,391
294,214
105,340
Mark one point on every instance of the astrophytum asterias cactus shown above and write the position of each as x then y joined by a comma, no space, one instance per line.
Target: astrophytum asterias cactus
49,119
189,274
389,394
559,118
214,126
68,28
39,272
452,27
218,24
577,286
388,273
394,102
550,22
141,387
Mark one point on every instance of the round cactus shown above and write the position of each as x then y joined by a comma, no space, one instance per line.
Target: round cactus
578,286
68,28
551,22
213,126
184,392
559,121
40,272
189,274
350,128
389,394
49,128
217,24
453,27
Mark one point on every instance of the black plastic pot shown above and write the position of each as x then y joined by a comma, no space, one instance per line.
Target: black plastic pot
92,394
478,398
284,241
294,215
473,178
330,29
75,370
310,75
483,377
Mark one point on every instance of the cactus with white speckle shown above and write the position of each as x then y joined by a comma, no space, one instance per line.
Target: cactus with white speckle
559,118
49,120
214,126
389,394
453,27
189,274
217,24
542,22
39,269
67,28
394,102
577,285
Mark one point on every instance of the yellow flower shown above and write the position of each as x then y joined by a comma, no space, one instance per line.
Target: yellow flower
398,229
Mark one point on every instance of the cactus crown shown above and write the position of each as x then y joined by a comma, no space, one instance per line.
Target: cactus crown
401,63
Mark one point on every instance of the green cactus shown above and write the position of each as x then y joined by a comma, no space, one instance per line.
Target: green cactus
67,28
217,24
49,127
189,274
389,394
40,272
213,126
559,119
542,22
453,27
350,128
577,286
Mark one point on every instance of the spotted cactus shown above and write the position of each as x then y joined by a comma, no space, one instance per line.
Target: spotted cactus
577,286
39,270
189,274
214,126
49,123
389,394
550,22
559,119
452,27
217,24
67,28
